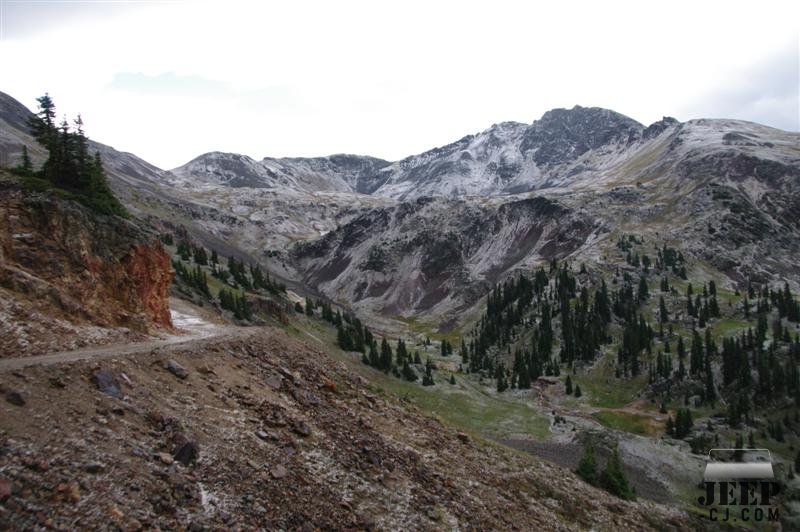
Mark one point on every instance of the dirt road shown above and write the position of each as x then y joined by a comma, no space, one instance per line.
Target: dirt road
193,326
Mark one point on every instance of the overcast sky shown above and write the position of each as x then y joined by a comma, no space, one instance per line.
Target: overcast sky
171,80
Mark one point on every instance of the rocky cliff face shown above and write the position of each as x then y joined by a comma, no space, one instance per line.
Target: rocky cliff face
436,256
69,264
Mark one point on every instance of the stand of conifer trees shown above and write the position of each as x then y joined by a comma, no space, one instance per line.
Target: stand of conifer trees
69,165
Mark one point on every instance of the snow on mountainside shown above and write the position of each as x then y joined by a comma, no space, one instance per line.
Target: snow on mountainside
482,164
364,232
436,255
335,173
511,157
579,148
583,148
726,190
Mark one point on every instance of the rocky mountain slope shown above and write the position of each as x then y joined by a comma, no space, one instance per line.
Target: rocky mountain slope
574,149
234,219
227,431
266,432
511,157
335,173
70,277
725,189
586,148
436,256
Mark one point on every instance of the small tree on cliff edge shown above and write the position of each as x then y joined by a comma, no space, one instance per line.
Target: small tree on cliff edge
69,165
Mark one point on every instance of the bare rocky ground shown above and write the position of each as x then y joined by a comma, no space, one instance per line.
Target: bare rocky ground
27,334
568,455
26,330
264,432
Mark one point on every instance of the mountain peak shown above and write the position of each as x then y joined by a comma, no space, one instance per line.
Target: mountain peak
562,135
583,114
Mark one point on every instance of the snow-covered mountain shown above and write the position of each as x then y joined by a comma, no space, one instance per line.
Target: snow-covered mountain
725,191
511,157
583,148
335,173
426,236
578,148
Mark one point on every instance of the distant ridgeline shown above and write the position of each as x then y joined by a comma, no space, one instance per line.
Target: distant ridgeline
69,168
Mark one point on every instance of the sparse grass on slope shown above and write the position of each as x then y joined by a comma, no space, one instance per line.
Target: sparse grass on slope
465,405
626,421
604,389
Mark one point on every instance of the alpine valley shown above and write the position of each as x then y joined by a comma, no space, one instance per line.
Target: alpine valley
537,326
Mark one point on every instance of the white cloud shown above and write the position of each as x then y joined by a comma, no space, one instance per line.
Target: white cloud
170,81
766,92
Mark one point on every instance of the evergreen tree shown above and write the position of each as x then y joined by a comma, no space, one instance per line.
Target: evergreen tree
401,355
385,363
427,379
578,392
43,127
644,292
587,466
408,373
663,313
343,338
98,195
200,256
683,423
696,359
500,375
613,478
183,250
69,165
374,357
568,385
464,353
25,167
664,284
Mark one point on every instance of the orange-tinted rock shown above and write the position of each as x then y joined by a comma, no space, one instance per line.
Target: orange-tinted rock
80,266
150,270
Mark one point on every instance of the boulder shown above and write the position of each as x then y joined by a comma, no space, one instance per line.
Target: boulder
107,383
15,398
278,472
177,370
94,467
302,428
187,453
